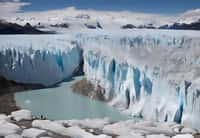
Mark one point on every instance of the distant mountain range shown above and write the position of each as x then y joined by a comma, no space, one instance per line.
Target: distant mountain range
58,23
175,26
183,26
13,28
72,19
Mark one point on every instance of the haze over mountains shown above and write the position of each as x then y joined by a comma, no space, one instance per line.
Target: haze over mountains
76,19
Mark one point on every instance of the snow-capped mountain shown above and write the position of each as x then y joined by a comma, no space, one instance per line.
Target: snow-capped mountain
77,18
190,16
13,28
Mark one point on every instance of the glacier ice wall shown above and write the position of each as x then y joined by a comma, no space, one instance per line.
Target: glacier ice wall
42,59
154,74
150,74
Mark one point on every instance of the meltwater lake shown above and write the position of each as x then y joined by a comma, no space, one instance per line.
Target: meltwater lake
61,103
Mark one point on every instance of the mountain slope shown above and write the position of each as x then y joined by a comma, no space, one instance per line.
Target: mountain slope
13,28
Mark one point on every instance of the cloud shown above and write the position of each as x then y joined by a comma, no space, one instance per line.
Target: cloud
11,10
16,0
9,7
9,0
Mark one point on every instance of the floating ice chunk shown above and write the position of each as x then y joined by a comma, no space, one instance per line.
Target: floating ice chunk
13,136
3,117
74,131
27,101
33,133
21,115
183,136
119,128
7,128
155,128
49,125
157,136
131,136
87,123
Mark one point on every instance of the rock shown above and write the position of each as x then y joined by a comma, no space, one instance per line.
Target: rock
197,136
13,28
21,115
128,26
7,128
183,136
33,133
90,26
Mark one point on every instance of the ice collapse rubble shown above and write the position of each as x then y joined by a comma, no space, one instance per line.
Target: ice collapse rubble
147,73
91,128
38,59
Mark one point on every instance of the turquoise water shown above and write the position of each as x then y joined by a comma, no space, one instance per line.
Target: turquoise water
61,103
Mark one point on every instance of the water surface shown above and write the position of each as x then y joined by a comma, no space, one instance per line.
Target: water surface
61,103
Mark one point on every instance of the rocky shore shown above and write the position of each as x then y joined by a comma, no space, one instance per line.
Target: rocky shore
84,87
7,90
21,124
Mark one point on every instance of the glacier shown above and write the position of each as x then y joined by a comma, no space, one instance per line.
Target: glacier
38,59
153,74
147,73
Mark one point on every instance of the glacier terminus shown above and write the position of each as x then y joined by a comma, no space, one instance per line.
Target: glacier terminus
152,74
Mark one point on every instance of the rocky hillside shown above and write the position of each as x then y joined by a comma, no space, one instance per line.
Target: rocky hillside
7,88
13,28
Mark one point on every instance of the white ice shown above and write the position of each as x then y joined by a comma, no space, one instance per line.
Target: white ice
21,115
33,133
38,59
74,131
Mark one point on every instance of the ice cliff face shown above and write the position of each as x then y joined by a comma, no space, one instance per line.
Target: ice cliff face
154,75
41,59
